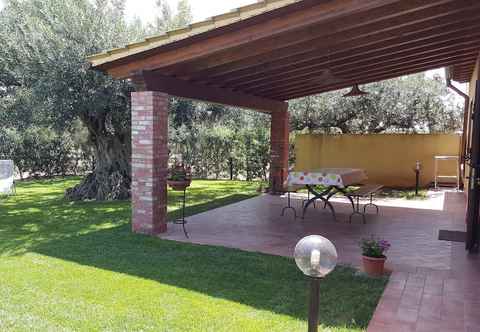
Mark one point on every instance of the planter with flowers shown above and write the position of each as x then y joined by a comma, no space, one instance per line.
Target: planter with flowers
373,251
179,177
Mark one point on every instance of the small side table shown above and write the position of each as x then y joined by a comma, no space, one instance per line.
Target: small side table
438,176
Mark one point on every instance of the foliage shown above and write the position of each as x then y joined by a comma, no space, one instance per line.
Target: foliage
45,74
408,194
410,104
40,151
373,247
167,20
76,266
179,173
218,141
43,55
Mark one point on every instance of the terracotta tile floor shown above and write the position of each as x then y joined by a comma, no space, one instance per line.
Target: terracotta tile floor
434,285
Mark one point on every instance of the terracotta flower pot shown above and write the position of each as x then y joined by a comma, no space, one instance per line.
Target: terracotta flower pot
179,185
374,266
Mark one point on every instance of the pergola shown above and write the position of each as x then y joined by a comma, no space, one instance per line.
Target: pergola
260,56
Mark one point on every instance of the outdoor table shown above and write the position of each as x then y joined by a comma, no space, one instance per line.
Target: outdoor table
335,179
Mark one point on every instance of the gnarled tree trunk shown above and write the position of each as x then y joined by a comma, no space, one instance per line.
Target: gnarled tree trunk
111,178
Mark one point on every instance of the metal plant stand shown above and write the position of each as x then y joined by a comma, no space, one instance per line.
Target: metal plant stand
182,221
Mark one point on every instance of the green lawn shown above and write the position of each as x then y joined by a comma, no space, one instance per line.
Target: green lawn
77,267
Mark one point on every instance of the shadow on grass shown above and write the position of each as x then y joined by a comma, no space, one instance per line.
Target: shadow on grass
261,281
98,235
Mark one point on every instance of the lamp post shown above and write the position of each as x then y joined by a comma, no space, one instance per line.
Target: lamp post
316,257
418,167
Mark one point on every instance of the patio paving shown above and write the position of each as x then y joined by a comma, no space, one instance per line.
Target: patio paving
435,285
411,226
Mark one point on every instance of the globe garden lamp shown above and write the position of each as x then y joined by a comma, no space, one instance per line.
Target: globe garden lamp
316,257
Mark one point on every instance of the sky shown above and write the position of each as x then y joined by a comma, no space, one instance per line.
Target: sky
201,9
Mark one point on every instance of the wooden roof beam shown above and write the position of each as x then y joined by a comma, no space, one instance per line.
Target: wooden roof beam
345,72
362,13
348,85
149,81
365,79
342,69
371,50
414,27
362,78
379,57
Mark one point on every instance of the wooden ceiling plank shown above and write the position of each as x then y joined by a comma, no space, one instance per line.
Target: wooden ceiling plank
377,36
358,77
379,57
369,79
370,51
390,10
347,72
363,78
345,66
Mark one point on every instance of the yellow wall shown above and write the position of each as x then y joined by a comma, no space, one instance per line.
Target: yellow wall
388,159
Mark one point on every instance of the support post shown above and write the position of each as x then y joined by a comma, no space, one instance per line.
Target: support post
149,162
314,305
279,146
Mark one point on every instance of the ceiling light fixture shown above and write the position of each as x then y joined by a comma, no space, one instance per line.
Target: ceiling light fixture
355,92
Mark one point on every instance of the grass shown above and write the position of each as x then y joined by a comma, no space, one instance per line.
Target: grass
77,267
408,194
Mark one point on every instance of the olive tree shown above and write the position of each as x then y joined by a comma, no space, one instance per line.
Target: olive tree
43,69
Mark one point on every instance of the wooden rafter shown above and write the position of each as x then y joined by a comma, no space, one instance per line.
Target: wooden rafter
414,27
343,65
345,71
365,79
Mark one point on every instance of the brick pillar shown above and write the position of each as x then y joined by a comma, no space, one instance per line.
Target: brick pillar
279,150
149,162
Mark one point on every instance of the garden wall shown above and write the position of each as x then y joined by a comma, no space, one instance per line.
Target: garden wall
388,159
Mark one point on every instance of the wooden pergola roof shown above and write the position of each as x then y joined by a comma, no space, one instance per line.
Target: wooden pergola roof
261,55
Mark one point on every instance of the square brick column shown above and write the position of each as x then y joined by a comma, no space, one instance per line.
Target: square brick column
149,162
279,150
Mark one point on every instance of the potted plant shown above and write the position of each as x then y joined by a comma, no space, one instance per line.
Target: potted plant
179,177
373,251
